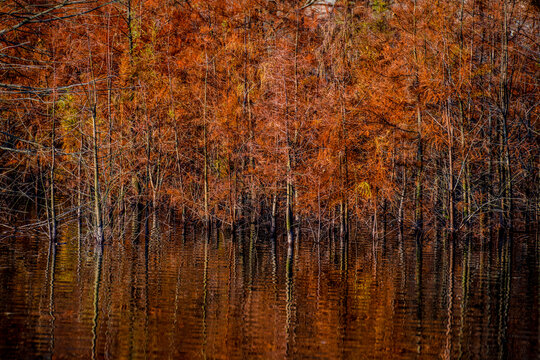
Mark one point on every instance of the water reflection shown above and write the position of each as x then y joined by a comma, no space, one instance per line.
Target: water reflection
97,281
161,290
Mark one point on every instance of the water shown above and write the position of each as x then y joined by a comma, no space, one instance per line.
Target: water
170,296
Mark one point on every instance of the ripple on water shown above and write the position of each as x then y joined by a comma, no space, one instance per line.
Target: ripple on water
174,296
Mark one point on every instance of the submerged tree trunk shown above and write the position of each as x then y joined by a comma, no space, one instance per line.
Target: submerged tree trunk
289,218
451,200
465,176
401,202
273,213
247,113
463,123
53,221
289,201
79,187
418,211
97,194
418,214
505,174
344,173
205,140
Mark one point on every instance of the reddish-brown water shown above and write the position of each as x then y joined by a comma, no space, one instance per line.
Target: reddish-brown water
170,296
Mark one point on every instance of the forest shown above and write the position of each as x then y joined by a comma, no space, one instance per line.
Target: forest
399,114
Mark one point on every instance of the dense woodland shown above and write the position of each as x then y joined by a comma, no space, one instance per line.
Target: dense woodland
406,114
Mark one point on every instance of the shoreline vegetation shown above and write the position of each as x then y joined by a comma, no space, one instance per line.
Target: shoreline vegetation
402,115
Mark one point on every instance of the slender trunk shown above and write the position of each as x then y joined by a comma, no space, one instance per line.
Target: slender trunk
344,174
450,141
418,214
289,202
465,169
246,109
465,177
289,182
97,195
205,140
385,221
45,191
174,120
79,187
53,220
451,224
492,129
110,200
232,197
148,146
274,211
294,187
401,201
506,176
130,28
318,209
438,204
374,229
489,180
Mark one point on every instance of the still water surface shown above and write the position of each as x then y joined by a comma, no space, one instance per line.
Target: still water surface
169,295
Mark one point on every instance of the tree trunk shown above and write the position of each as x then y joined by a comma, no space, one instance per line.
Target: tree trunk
273,213
205,139
506,175
97,195
289,202
53,220
451,211
418,213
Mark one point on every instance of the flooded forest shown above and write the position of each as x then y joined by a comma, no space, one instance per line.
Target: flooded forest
244,179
